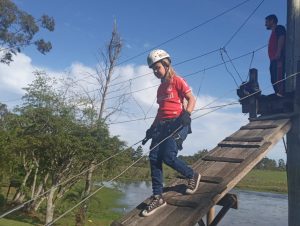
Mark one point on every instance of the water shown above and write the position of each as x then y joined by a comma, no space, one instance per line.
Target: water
254,208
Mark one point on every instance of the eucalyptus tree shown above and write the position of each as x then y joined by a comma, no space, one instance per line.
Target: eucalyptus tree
7,158
18,30
49,143
97,108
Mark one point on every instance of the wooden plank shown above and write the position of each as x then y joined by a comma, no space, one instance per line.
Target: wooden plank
251,127
222,159
244,139
232,145
211,179
207,179
181,202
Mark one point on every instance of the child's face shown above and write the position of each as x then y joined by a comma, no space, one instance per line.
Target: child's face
159,70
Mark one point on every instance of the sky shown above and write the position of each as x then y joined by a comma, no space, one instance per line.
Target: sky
185,29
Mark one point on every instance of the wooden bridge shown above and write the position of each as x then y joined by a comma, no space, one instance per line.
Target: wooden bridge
221,169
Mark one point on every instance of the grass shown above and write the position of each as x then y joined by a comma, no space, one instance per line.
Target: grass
101,210
8,222
264,181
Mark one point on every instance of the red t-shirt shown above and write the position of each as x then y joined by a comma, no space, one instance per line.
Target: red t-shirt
170,95
272,47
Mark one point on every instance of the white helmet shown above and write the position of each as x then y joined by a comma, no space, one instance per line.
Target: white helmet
156,55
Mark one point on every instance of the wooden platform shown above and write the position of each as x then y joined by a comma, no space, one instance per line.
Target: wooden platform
221,169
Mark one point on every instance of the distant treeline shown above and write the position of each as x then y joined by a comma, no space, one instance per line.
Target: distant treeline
264,164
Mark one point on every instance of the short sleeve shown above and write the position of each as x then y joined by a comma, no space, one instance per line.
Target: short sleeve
182,86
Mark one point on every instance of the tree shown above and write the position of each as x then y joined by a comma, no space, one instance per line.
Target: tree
137,153
97,109
281,164
267,164
7,158
52,144
18,29
49,143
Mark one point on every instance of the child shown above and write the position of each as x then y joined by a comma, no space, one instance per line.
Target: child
171,117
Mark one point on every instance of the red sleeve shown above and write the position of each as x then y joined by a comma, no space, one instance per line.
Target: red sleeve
181,86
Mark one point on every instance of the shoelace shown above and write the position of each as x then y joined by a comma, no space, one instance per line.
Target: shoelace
191,183
153,203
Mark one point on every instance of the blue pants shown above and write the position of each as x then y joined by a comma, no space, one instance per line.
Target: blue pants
167,152
277,71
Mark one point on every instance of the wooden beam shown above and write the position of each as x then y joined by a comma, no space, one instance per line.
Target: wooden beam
210,216
213,180
250,127
293,137
228,198
244,139
231,201
230,145
222,159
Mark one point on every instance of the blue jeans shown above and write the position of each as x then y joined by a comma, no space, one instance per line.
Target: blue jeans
167,152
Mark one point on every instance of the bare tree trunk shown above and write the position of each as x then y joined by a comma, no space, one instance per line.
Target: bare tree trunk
50,205
104,78
34,182
35,204
19,196
81,214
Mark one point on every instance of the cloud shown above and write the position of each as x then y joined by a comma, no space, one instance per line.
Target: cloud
15,76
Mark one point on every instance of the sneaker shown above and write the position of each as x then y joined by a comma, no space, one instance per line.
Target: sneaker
193,184
155,204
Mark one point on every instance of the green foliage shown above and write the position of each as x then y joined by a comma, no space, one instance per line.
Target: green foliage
18,28
270,164
2,201
50,139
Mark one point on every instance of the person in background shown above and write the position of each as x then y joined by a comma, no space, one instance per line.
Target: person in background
173,122
276,51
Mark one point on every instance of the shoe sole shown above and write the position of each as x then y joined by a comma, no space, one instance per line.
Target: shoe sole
146,214
189,191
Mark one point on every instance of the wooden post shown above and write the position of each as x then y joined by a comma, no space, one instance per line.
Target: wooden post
253,100
210,216
293,138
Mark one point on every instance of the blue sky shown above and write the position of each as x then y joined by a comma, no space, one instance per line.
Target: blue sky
84,27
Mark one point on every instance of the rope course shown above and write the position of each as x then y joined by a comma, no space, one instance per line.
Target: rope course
243,24
193,73
216,108
113,179
212,108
